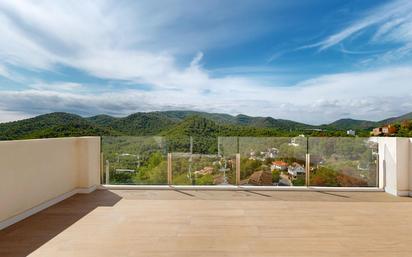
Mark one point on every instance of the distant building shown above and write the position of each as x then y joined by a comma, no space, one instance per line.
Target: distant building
389,130
252,155
316,161
259,178
377,131
279,165
295,141
270,153
284,182
385,131
351,132
296,169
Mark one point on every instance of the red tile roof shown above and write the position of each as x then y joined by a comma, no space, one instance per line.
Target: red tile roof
280,163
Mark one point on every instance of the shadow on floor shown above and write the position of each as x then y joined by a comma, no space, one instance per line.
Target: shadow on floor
26,236
183,192
256,193
333,194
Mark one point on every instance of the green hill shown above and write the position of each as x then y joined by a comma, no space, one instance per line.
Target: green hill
140,124
153,123
407,116
56,124
103,119
175,124
174,117
204,133
269,122
346,124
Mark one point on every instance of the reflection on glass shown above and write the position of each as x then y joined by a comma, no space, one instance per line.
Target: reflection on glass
202,165
263,161
272,161
343,162
202,169
135,160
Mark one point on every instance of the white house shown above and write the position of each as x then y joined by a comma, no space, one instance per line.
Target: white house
279,165
295,141
351,132
296,169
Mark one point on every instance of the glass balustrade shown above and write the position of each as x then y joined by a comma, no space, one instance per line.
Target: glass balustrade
243,161
343,162
134,160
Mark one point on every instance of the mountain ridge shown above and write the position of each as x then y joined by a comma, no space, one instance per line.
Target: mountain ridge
175,122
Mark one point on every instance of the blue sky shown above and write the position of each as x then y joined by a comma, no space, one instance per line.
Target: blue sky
309,61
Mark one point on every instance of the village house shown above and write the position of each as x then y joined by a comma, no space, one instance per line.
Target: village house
258,178
351,132
295,141
279,165
296,169
384,131
270,153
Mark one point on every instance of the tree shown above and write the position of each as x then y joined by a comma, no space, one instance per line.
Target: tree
275,176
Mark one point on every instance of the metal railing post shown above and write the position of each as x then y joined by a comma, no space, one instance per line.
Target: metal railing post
101,167
377,172
107,172
238,169
307,182
169,169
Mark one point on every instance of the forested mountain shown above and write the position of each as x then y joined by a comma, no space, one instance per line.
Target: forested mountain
407,116
204,133
167,118
177,123
52,125
269,122
347,124
140,124
103,119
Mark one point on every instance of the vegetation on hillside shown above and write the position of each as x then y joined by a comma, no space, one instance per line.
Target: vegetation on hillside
404,128
179,124
334,161
53,125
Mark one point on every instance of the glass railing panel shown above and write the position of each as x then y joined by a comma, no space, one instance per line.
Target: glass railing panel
263,161
343,162
202,169
272,161
205,162
134,160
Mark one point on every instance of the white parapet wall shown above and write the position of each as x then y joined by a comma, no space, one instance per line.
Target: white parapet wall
395,165
35,174
410,167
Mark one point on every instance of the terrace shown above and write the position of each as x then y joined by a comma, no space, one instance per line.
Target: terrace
161,204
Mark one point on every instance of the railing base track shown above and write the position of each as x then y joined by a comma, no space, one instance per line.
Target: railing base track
241,188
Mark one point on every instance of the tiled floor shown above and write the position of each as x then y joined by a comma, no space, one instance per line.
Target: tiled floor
216,223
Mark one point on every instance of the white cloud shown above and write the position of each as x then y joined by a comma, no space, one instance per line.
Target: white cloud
4,72
131,42
6,116
392,23
58,87
110,40
374,95
47,32
196,60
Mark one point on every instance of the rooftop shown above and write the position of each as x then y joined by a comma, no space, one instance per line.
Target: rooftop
65,197
215,223
280,163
